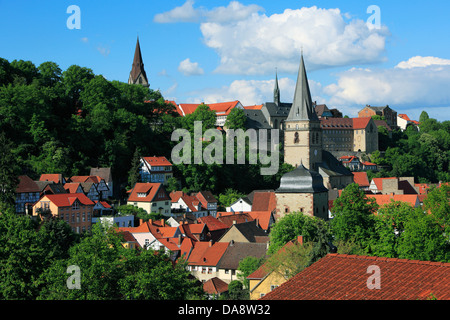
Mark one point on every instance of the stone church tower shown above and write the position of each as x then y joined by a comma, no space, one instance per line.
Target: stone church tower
303,134
137,74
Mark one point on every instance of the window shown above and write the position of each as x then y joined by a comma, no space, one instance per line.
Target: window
272,287
141,194
75,206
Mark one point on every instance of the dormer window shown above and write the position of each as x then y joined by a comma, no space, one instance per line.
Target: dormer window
141,194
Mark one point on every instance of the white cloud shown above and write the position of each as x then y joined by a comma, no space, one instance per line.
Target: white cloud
85,39
248,92
418,62
257,44
419,82
104,50
189,68
187,13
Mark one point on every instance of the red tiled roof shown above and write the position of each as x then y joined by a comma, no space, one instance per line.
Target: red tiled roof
149,189
264,201
215,286
72,187
345,277
67,199
221,108
383,199
207,254
56,178
360,123
259,107
26,184
263,218
361,179
229,217
404,117
344,123
157,161
212,223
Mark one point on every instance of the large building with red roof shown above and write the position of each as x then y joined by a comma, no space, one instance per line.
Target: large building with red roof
155,169
152,197
74,208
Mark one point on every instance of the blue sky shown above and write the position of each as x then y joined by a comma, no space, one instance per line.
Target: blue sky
215,51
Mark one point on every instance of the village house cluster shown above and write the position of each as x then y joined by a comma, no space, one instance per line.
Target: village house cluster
325,149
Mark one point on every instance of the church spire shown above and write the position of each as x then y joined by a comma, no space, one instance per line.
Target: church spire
276,90
302,107
137,74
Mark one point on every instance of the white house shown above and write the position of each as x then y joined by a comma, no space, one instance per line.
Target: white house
240,205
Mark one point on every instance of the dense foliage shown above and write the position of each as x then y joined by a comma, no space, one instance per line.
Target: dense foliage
69,121
34,262
423,153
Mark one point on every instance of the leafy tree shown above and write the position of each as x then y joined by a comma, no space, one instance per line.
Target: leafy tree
133,174
236,119
290,260
437,203
236,291
247,266
294,224
227,198
50,73
8,171
353,215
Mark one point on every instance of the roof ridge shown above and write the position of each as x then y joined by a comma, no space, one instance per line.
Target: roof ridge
386,259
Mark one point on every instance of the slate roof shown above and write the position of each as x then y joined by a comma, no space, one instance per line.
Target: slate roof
236,251
301,180
256,120
345,277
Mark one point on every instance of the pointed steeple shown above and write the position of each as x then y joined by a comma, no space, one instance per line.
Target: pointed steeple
302,107
276,91
137,74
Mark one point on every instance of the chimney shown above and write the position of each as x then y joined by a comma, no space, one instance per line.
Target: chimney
179,239
300,240
141,221
210,243
163,223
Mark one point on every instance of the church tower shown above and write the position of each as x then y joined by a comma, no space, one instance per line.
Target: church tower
276,91
302,135
137,74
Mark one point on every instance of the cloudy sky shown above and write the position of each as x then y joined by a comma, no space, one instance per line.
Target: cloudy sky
361,52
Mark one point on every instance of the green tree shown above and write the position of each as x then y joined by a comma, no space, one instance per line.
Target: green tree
236,119
8,171
227,198
247,266
353,215
295,224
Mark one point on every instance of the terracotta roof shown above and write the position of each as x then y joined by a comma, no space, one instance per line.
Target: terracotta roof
361,179
26,184
360,123
149,189
221,108
259,107
404,117
344,123
67,199
207,254
345,277
56,178
264,201
229,217
215,286
212,223
72,187
157,161
206,197
263,218
383,199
